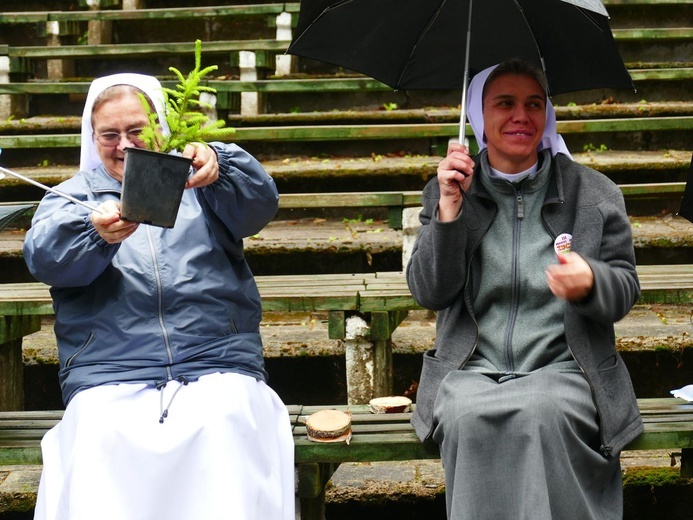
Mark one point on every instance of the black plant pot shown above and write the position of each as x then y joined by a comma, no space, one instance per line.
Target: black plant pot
153,185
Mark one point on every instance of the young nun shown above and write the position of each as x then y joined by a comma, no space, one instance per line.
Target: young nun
528,259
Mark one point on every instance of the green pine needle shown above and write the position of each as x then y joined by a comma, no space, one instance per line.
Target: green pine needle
185,122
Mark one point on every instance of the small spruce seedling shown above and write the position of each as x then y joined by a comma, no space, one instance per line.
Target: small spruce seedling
187,124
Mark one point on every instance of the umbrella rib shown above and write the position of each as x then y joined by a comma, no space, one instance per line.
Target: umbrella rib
541,56
587,15
421,36
324,11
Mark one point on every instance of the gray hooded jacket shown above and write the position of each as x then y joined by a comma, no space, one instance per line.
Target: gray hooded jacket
442,275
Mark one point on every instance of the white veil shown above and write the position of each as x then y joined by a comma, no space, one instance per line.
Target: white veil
551,139
89,158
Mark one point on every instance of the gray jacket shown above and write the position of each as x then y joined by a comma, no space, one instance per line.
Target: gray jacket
165,303
441,276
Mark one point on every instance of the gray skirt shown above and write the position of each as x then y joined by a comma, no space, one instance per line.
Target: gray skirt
526,448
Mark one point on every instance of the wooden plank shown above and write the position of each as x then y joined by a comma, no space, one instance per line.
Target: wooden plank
283,85
376,436
278,85
366,292
659,34
127,50
342,199
632,124
652,189
20,455
366,448
657,405
377,131
14,328
121,15
664,74
39,302
23,17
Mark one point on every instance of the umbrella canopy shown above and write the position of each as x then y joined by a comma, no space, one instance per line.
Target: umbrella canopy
9,213
686,209
422,44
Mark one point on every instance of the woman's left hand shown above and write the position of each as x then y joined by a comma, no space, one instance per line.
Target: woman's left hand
204,161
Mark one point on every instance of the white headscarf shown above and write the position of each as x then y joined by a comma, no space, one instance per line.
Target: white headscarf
89,157
550,140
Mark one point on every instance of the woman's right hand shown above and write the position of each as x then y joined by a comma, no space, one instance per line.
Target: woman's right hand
108,224
454,177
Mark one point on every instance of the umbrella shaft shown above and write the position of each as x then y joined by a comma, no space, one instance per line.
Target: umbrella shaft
52,190
463,111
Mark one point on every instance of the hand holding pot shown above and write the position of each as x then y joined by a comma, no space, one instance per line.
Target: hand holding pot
108,224
204,161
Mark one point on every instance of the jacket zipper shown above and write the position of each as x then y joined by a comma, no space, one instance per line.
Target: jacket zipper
72,358
514,283
160,305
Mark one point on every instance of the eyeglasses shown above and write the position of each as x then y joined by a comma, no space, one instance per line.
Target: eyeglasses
113,138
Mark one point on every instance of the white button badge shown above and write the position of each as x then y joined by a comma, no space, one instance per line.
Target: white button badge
562,243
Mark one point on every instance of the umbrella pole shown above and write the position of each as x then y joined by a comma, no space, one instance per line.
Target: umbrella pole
463,111
48,188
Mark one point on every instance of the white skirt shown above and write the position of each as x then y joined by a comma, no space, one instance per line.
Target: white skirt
225,451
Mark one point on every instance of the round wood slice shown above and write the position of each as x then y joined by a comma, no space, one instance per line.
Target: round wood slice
391,404
329,426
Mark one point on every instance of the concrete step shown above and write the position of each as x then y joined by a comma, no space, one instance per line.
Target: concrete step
599,125
389,172
412,490
415,489
315,245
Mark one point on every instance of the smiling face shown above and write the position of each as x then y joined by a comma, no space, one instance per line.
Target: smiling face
120,113
514,121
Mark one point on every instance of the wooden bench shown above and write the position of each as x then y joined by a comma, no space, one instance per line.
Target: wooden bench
376,438
393,201
383,299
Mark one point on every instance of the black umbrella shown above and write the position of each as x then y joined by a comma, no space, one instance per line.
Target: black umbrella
686,209
439,44
10,212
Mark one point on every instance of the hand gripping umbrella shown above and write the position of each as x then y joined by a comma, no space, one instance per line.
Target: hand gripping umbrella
422,44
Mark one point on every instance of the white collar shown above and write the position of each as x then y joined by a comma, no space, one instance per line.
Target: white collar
515,177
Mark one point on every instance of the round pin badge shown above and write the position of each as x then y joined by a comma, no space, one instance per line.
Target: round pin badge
562,243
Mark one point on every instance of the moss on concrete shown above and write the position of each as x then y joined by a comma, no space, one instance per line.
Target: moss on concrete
648,476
